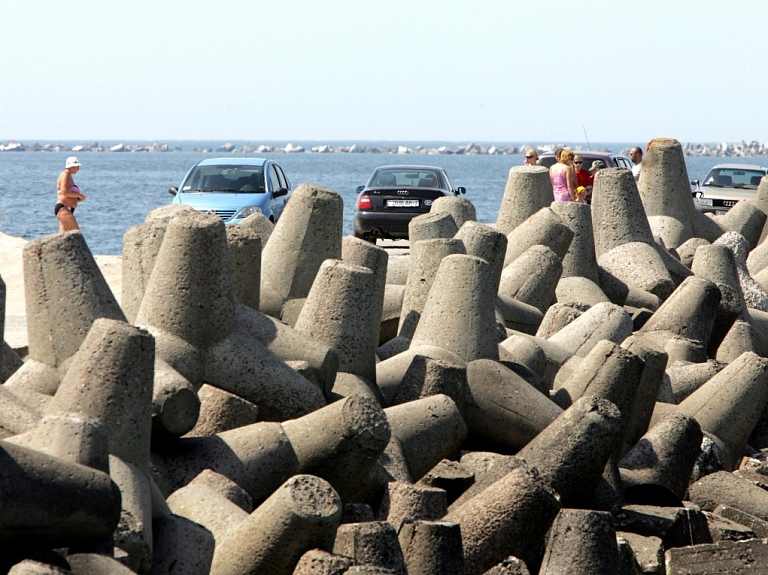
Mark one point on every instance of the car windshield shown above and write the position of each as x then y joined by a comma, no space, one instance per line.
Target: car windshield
248,179
733,178
405,177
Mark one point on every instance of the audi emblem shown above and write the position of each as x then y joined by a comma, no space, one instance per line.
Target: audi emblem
402,192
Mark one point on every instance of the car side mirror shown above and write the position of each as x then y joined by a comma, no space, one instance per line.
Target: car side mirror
695,183
173,190
461,190
359,189
280,192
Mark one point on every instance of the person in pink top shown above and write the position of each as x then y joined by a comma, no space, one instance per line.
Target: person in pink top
68,196
563,178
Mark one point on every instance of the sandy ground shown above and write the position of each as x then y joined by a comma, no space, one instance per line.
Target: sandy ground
12,274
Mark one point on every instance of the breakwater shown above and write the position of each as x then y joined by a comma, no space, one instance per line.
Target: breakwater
723,149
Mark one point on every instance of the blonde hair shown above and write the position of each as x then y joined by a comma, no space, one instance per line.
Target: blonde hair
566,155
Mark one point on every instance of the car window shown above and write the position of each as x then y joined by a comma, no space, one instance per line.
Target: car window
273,179
225,178
406,177
733,178
448,180
284,183
547,162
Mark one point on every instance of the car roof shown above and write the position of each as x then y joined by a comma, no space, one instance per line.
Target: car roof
232,162
583,154
740,167
408,167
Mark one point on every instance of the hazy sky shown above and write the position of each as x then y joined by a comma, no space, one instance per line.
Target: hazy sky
483,71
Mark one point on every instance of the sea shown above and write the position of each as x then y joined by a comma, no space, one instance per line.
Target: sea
122,187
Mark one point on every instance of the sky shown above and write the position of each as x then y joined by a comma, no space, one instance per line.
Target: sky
410,71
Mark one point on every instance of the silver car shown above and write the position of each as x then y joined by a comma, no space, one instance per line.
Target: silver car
726,184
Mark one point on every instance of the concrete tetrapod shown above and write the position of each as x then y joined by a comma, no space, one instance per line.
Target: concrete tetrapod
308,233
303,514
361,253
528,190
665,190
502,411
427,430
461,209
729,405
532,277
581,542
717,264
509,517
689,311
425,260
431,226
52,502
618,216
580,259
340,442
110,381
601,321
55,267
244,246
664,456
572,451
339,312
190,308
371,544
459,312
432,547
485,242
544,228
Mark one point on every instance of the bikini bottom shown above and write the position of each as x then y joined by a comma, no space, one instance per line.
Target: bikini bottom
57,207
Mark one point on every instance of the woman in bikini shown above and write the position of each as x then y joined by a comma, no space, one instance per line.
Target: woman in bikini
67,196
564,179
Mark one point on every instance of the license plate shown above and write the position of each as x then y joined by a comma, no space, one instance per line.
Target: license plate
402,203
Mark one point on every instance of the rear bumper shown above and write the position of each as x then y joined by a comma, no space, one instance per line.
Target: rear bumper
389,225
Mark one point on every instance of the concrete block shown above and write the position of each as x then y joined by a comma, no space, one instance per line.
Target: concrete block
374,543
509,517
431,226
303,514
308,233
544,228
532,277
581,541
463,286
527,191
461,209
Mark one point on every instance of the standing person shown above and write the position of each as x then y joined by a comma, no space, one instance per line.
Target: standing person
636,155
531,157
583,177
68,196
563,178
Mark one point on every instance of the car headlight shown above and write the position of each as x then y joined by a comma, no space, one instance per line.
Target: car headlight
247,211
705,201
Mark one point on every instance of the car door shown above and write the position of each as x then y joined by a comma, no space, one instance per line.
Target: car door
278,181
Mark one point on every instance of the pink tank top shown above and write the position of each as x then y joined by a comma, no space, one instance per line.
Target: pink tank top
560,186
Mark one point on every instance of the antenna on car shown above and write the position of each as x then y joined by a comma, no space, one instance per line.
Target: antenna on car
245,149
586,137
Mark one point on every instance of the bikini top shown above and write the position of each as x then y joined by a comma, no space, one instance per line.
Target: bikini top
74,189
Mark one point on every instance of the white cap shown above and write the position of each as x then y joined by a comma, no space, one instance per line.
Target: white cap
72,162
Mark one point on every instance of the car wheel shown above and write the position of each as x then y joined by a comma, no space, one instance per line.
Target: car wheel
366,237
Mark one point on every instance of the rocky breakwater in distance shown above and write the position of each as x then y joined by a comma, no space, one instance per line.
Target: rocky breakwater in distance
571,390
723,149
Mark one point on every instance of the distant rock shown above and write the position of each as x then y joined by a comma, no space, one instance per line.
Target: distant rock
117,148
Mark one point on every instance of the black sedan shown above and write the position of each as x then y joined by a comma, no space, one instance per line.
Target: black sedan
394,195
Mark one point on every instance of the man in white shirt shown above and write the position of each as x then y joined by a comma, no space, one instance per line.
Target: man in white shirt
636,155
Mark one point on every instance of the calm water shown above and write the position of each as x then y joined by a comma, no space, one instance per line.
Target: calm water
123,187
